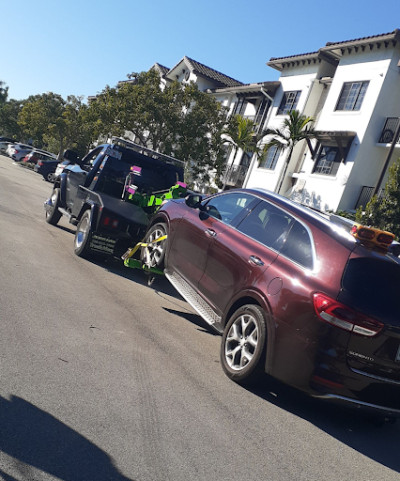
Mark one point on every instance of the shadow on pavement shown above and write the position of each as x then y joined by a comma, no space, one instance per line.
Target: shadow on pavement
364,432
35,439
160,283
194,319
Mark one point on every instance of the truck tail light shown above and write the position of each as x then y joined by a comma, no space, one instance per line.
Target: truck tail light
337,314
110,222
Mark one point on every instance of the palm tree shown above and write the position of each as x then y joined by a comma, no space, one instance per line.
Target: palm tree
240,133
295,128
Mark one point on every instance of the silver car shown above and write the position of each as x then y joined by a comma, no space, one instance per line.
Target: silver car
18,151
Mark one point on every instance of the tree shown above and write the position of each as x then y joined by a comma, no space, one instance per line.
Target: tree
198,138
175,119
152,112
9,113
241,134
57,124
104,113
80,130
295,128
3,93
384,213
41,118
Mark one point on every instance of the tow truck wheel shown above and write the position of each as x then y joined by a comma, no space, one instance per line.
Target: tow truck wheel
153,255
52,213
82,237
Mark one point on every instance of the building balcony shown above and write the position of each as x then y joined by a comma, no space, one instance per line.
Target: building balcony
389,130
234,175
366,195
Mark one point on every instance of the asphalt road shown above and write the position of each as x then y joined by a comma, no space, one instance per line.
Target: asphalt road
103,378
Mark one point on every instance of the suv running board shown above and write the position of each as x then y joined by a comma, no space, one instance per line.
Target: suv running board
193,298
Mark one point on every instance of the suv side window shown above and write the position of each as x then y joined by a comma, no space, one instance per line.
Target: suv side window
227,207
267,224
298,246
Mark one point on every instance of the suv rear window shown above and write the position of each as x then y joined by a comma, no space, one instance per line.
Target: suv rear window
298,246
372,285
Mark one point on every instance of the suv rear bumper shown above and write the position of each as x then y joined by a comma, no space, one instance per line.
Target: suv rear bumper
356,403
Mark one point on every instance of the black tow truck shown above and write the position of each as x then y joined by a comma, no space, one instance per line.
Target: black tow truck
111,194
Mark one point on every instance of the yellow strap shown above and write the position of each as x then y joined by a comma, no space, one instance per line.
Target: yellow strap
159,239
132,251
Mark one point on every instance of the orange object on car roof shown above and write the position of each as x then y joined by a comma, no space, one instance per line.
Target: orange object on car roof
372,237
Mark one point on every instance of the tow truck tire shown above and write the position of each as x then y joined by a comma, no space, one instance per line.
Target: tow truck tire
154,254
52,213
82,237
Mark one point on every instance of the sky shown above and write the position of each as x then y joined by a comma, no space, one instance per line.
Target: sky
78,47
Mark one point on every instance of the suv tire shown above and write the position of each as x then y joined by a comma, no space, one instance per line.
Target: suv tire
243,344
154,254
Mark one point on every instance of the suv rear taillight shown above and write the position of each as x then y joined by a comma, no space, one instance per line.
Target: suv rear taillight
40,163
333,312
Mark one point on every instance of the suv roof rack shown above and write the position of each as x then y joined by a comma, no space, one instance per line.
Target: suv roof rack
146,151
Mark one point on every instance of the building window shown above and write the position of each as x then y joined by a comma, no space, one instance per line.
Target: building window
227,150
262,112
289,102
352,96
328,161
240,106
271,158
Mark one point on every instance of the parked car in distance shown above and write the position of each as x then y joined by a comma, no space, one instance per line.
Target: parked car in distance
47,167
18,151
60,168
4,145
292,293
36,154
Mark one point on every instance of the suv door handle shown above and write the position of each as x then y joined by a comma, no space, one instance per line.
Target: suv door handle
256,261
211,232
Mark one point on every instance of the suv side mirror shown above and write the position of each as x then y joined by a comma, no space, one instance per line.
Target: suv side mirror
193,201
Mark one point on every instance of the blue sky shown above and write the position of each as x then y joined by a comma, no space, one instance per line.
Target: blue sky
79,47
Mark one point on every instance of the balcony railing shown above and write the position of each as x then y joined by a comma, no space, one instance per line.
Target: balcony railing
366,195
389,130
234,175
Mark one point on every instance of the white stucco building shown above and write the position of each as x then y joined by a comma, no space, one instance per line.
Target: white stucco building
352,90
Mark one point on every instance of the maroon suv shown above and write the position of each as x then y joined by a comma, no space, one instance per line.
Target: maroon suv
293,294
